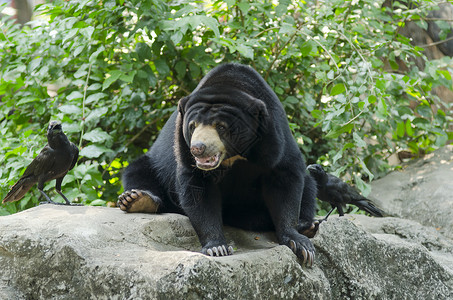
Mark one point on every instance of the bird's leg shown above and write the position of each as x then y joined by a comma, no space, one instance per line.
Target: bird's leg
328,214
340,210
64,197
58,188
48,200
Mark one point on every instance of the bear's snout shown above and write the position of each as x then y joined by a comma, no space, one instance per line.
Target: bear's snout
197,149
207,148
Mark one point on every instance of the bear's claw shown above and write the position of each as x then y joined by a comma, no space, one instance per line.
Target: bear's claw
218,251
307,255
303,249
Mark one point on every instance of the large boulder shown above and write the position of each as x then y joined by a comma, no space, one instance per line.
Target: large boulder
421,191
58,252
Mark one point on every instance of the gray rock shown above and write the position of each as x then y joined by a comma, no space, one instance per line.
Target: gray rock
56,252
422,191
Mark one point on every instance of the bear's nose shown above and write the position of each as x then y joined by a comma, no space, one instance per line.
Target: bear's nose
197,149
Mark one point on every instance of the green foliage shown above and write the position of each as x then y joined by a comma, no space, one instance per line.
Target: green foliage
113,71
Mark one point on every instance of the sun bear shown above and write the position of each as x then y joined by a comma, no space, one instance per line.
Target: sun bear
227,156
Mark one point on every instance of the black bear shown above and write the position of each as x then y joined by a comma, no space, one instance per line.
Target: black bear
227,156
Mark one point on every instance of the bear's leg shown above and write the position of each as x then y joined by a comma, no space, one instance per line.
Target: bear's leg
306,225
283,202
201,201
141,188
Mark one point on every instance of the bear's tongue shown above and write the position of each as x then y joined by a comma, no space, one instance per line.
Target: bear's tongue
207,162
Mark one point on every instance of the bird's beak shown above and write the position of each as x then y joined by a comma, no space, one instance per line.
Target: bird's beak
53,124
311,167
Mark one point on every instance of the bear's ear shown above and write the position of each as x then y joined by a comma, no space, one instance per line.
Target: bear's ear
182,105
259,111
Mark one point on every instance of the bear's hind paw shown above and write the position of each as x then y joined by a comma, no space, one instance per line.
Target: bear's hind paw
137,201
309,229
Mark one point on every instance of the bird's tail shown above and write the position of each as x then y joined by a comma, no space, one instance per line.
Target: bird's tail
19,190
368,206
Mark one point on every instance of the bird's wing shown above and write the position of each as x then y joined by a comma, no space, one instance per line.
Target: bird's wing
41,164
336,189
74,150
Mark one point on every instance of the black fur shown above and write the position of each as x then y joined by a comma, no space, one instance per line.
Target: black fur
269,189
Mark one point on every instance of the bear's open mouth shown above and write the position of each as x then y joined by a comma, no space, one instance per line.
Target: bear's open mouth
210,162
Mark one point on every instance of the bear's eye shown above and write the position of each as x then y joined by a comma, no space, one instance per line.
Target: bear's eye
192,127
220,128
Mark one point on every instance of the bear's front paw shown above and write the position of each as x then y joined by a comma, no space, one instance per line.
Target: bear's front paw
302,247
222,250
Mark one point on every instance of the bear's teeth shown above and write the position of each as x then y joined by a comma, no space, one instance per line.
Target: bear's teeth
210,161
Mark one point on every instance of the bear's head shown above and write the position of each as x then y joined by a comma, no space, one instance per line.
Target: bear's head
221,125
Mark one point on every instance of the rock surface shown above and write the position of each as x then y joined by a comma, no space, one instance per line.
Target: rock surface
422,191
56,252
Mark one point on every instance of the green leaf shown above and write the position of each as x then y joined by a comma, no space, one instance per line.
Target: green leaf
317,114
230,3
81,72
382,108
364,188
425,111
337,89
246,51
358,140
74,95
114,75
70,34
95,54
97,135
372,99
176,37
393,64
365,168
95,98
337,156
71,127
194,70
445,73
180,68
34,64
333,134
94,87
244,7
212,24
95,114
27,100
409,130
87,32
161,66
400,129
70,109
143,51
98,202
129,77
94,151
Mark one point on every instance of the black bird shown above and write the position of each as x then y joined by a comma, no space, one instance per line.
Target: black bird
53,162
338,193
